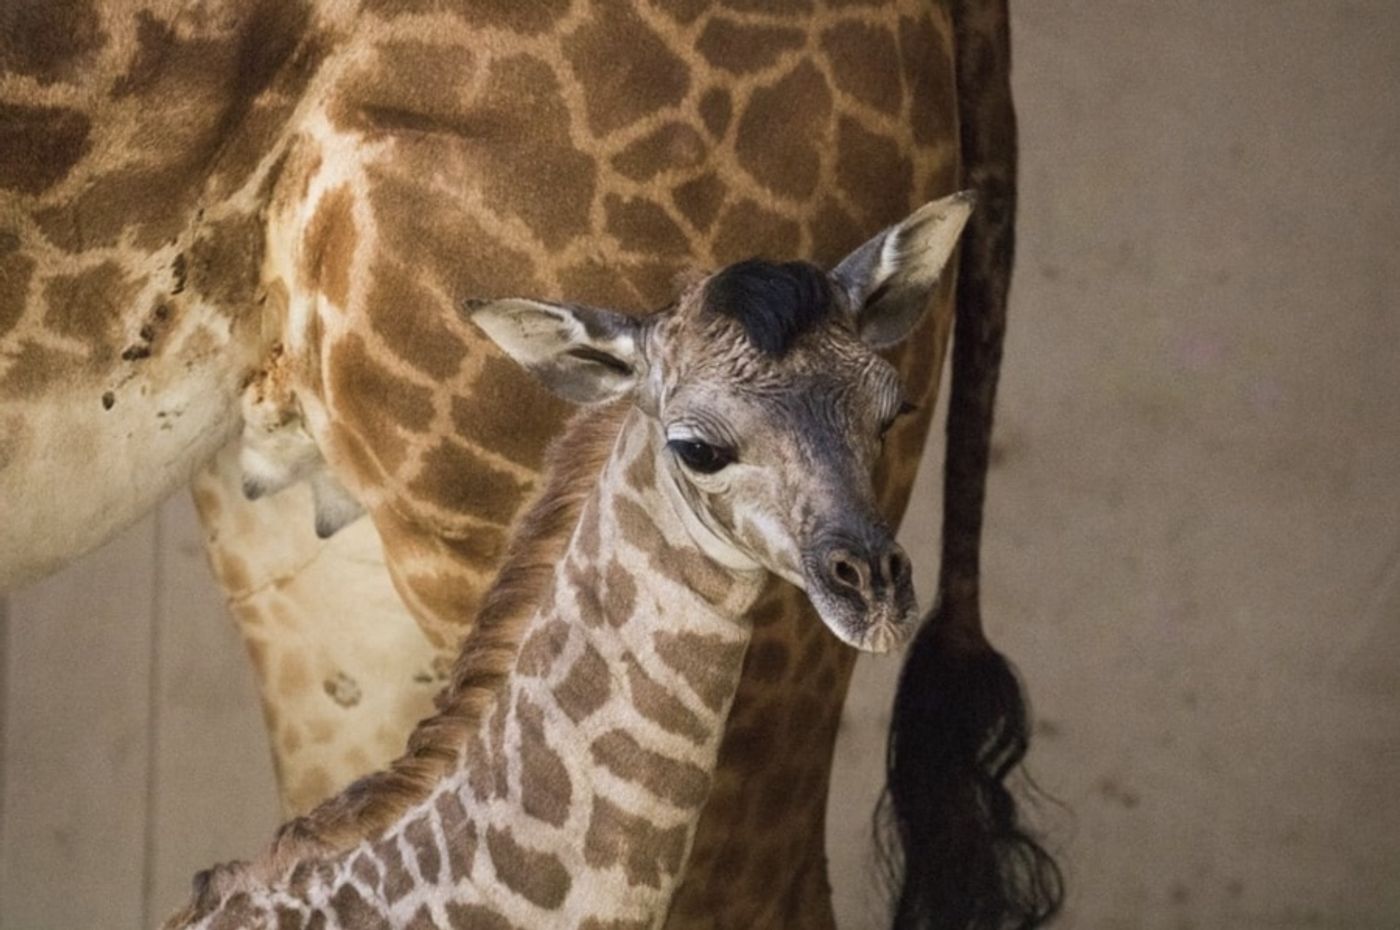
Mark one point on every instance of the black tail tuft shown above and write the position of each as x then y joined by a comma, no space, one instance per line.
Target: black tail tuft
949,832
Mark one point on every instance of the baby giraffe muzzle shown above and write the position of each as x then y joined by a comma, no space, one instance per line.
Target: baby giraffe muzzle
871,576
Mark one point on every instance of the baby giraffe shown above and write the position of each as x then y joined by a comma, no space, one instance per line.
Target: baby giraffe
733,435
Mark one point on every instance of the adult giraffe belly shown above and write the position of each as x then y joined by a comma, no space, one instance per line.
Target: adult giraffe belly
134,138
83,453
598,156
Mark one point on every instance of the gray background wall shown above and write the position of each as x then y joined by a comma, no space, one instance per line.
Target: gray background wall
1194,527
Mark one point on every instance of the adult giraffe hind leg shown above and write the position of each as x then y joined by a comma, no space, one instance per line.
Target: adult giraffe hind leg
343,669
956,851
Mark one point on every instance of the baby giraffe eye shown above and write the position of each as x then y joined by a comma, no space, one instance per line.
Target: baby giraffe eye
701,456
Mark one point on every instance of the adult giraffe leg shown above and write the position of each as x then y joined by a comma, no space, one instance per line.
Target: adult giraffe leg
343,669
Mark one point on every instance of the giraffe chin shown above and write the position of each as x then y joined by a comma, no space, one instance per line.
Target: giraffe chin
879,630
880,636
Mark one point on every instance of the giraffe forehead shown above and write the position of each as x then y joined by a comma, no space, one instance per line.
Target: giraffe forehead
718,369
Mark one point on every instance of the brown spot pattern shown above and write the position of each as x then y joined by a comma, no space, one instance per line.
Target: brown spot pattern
587,686
700,199
419,836
782,130
747,229
716,109
288,919
834,234
500,385
39,146
423,920
620,597
329,245
707,663
871,168
680,783
542,648
408,88
862,57
627,70
671,147
224,262
457,479
351,910
50,41
617,838
641,471
476,917
236,913
523,157
442,242
587,601
538,877
640,225
458,834
656,703
687,566
397,881
16,271
929,76
117,202
366,870
545,789
741,49
89,306
767,660
480,777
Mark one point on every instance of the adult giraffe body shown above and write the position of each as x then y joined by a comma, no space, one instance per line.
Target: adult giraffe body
185,186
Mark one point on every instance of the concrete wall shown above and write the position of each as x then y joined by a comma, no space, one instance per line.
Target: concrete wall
1194,532
1194,527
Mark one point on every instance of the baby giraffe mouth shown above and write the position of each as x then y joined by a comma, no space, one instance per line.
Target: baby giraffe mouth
863,590
884,631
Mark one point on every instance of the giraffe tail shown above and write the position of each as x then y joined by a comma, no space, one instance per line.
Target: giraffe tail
948,826
957,853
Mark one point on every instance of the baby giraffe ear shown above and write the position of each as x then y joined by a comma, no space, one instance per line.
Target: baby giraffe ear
890,279
582,354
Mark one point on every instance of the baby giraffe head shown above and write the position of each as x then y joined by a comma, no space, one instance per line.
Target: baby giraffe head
765,389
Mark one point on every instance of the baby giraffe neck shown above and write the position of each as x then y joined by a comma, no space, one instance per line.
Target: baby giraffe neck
576,800
600,759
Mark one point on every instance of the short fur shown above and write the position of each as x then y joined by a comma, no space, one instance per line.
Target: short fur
775,303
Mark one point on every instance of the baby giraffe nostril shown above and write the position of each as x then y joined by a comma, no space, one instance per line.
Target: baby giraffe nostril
896,567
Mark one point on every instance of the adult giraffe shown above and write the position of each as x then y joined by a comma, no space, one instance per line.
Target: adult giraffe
188,187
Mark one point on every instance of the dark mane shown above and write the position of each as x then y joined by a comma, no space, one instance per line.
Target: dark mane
774,302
